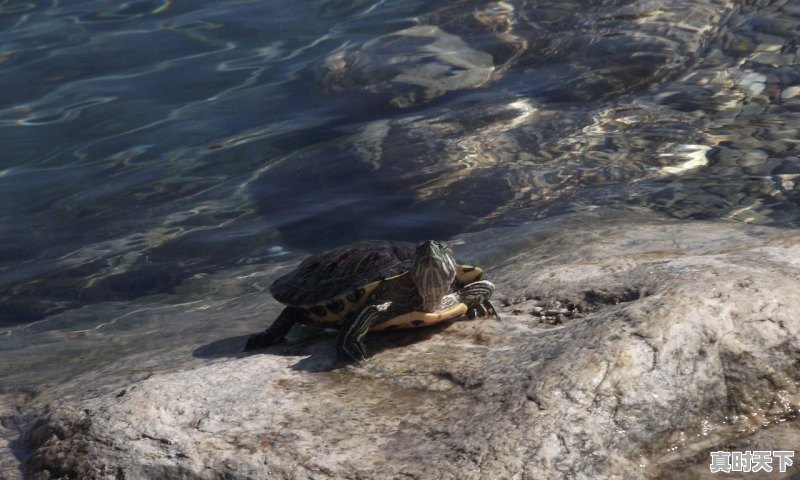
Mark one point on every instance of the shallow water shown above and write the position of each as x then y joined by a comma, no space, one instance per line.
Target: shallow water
152,146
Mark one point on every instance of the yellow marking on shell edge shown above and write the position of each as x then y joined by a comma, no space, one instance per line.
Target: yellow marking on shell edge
468,273
406,320
348,305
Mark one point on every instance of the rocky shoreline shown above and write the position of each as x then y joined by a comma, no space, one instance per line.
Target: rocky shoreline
627,349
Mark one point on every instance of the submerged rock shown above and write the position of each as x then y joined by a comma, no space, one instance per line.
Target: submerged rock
422,57
626,349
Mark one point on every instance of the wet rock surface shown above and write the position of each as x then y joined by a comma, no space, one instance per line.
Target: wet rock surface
627,349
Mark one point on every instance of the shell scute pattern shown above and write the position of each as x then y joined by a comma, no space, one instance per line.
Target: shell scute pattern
331,286
322,278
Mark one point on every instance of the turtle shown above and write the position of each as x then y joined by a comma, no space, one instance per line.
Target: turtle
374,285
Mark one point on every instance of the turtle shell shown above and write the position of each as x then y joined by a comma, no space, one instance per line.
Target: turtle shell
320,278
334,283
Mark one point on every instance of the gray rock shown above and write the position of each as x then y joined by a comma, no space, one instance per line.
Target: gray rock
627,349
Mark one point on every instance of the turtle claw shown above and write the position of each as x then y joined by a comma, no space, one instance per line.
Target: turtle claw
354,352
484,309
488,309
478,309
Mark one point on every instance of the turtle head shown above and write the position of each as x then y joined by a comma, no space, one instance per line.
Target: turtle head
433,272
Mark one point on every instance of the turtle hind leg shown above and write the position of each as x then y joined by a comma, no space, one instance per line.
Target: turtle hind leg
277,331
477,296
349,343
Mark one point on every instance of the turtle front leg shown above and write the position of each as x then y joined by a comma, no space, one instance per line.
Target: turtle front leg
349,343
477,296
277,331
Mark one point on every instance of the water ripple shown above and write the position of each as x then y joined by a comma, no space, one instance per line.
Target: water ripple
147,143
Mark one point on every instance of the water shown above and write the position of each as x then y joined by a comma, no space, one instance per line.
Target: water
162,161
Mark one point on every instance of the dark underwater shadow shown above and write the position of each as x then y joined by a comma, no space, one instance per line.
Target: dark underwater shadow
328,197
318,349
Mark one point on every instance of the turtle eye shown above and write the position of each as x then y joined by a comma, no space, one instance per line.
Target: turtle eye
444,247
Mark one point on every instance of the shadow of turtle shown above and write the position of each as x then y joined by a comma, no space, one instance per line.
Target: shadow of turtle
317,349
230,347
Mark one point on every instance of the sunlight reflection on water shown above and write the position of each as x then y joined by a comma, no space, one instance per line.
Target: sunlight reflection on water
148,144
